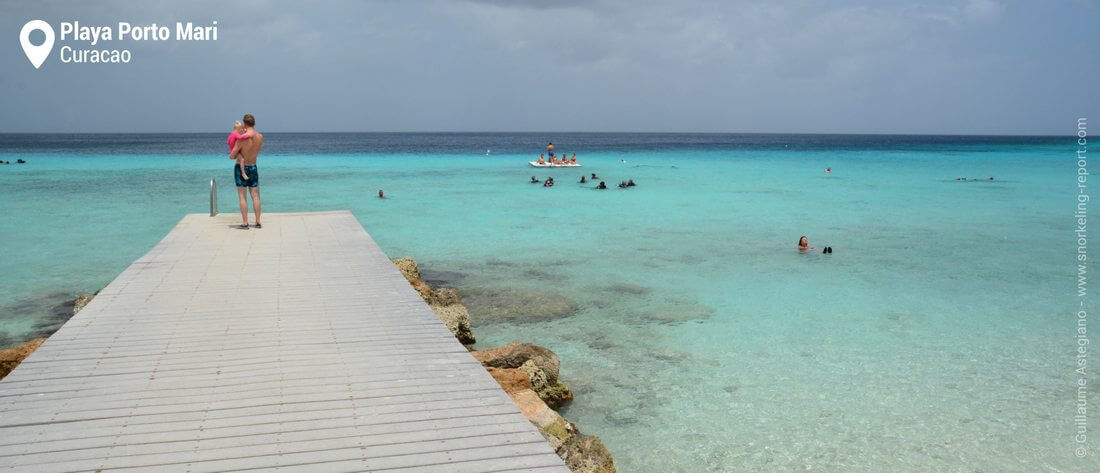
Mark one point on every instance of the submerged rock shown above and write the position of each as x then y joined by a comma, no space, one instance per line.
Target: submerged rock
541,276
628,289
517,305
442,278
676,313
49,310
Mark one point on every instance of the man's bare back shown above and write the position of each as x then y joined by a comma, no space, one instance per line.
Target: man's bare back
250,148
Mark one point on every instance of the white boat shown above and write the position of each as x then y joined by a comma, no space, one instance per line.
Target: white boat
548,165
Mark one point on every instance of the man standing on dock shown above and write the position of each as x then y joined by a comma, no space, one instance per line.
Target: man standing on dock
250,150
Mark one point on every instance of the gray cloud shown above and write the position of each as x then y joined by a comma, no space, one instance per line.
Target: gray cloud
976,66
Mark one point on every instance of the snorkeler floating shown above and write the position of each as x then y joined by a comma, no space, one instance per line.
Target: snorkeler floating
804,246
979,179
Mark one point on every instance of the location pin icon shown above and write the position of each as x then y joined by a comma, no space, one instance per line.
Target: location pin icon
36,54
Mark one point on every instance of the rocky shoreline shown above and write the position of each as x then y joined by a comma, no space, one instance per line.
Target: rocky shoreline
528,373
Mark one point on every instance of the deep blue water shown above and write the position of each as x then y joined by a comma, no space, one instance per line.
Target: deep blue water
501,143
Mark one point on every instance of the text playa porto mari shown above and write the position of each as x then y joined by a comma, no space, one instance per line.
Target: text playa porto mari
74,31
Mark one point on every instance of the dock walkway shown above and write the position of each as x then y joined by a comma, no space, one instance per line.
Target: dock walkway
298,346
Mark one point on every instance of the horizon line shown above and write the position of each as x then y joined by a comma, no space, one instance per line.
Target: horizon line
552,132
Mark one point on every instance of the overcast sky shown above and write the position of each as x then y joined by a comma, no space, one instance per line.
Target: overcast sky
922,66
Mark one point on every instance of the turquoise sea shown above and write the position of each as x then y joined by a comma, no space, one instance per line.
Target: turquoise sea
938,337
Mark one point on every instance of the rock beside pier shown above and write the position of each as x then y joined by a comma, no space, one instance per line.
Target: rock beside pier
541,365
11,357
528,373
60,313
444,301
581,453
81,301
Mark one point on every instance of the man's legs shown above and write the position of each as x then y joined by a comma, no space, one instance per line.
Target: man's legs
255,191
244,204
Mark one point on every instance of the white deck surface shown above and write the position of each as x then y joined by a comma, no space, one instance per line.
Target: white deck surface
298,346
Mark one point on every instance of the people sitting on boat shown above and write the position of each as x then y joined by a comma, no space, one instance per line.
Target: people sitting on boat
573,160
583,180
602,185
541,161
534,181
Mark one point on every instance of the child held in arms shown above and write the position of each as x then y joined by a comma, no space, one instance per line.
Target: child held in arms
238,133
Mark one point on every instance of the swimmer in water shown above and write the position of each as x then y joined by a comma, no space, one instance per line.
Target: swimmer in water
602,185
804,244
534,181
828,170
381,195
583,180
549,182
594,176
630,182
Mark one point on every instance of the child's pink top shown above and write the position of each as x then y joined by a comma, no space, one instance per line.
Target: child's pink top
234,136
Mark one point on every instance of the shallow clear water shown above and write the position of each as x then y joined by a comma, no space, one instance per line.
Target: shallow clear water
937,337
